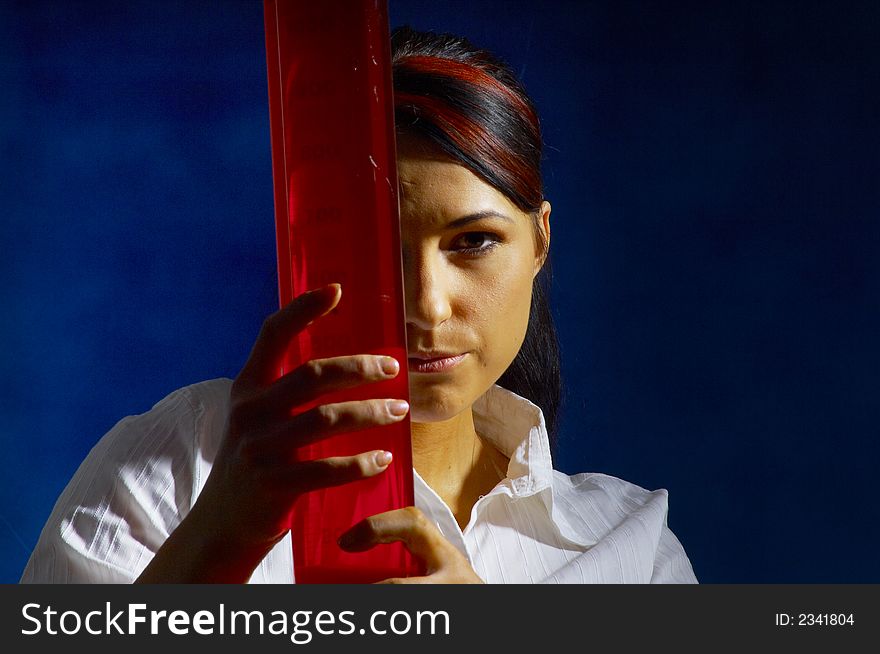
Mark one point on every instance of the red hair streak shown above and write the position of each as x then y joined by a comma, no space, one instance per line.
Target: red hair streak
472,137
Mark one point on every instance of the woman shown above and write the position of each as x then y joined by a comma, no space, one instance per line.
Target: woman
199,488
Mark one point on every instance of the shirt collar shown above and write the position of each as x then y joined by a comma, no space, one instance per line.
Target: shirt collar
516,427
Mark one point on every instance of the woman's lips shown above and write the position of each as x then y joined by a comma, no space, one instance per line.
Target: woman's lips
435,365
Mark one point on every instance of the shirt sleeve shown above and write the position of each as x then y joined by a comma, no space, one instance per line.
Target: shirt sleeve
127,496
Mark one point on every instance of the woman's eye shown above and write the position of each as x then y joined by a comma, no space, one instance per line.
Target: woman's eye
476,242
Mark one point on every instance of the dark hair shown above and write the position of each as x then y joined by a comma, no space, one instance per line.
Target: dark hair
470,104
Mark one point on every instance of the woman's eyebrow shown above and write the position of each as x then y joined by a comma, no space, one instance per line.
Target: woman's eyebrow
479,215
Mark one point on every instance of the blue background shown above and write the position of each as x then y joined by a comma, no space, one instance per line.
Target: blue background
713,169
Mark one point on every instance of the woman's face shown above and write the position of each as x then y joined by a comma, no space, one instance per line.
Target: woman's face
469,259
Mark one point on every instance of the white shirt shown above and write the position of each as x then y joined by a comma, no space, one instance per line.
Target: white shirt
537,525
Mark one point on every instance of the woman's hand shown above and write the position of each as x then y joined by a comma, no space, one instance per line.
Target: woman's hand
444,563
244,508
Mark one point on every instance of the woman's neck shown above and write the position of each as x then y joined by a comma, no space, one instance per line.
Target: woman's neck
455,462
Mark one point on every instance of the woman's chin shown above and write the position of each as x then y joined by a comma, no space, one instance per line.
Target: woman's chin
431,408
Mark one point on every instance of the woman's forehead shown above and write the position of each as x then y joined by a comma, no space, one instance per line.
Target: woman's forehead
426,176
436,187
436,193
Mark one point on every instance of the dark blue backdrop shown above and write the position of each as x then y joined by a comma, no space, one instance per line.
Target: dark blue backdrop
713,169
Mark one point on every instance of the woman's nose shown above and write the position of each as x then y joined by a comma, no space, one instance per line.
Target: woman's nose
426,293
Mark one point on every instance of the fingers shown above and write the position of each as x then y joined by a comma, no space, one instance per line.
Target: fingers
335,471
325,421
320,376
307,383
444,563
278,329
344,417
408,525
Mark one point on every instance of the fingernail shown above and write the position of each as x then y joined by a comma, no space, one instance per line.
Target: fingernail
332,290
398,407
328,289
383,458
320,294
344,541
390,366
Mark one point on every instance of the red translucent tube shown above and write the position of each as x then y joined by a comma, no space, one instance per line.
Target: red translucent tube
337,220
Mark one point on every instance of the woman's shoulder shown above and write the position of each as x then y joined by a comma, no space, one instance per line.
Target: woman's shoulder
132,489
590,507
596,503
184,426
589,485
195,398
193,415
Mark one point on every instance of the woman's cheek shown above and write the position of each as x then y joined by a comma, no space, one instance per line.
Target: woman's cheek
509,317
